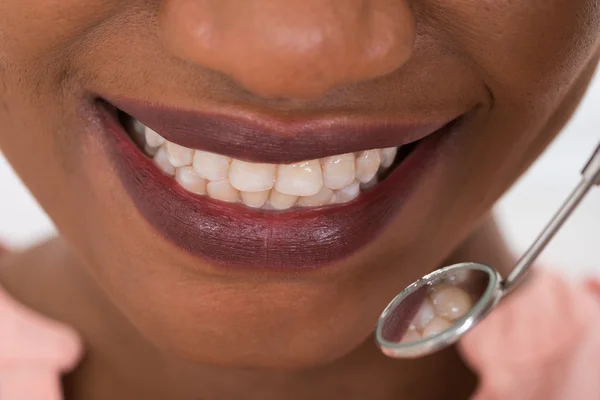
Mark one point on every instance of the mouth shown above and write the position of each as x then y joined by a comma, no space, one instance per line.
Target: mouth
320,182
238,191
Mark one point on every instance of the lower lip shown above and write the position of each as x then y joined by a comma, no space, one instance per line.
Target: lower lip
233,235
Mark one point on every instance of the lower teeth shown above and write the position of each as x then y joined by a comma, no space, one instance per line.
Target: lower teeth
444,305
315,183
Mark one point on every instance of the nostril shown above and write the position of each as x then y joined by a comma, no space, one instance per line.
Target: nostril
291,49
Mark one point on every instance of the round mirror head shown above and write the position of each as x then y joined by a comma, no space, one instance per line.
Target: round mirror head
435,311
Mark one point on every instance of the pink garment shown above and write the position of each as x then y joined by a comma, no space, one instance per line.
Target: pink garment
542,343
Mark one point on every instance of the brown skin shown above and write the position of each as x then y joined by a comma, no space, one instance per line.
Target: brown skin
161,324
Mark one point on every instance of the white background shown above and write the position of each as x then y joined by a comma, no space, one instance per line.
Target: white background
523,211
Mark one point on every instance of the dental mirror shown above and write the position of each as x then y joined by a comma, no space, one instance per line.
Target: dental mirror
438,309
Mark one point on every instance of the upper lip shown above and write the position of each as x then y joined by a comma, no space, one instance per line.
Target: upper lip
261,138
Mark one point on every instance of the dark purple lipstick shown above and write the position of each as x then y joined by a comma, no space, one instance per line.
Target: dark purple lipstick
234,235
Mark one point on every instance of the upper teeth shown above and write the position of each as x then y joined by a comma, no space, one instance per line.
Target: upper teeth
311,183
301,179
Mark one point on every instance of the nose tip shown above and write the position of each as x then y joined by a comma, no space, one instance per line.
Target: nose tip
293,49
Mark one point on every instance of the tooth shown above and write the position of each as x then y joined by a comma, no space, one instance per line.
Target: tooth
411,335
300,179
251,177
346,194
138,132
138,127
179,156
338,171
211,166
281,201
320,199
370,184
387,156
437,325
255,199
151,151
460,277
187,177
161,159
153,139
222,190
367,164
451,302
425,315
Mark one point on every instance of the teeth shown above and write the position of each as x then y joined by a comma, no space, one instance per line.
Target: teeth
139,128
211,166
425,315
251,177
138,132
370,184
179,156
281,201
189,179
312,183
255,199
367,165
346,194
153,139
151,151
161,159
222,190
387,156
338,171
301,179
320,199
412,335
437,325
444,304
450,302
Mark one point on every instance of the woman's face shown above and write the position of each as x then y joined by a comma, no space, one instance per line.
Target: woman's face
483,85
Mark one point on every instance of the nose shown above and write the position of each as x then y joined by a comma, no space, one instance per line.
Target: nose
294,49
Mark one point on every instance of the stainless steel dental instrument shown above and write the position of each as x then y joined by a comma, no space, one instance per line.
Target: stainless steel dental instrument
473,290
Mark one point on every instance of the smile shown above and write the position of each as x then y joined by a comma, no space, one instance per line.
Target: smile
312,183
293,203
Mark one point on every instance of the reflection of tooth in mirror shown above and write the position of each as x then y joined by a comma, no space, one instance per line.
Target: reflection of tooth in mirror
411,335
398,318
450,302
425,315
447,300
437,325
443,304
435,305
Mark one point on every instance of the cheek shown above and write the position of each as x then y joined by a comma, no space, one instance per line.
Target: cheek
40,93
526,49
534,57
24,139
38,135
35,30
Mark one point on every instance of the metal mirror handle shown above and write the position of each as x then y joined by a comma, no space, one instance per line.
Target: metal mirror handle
589,176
